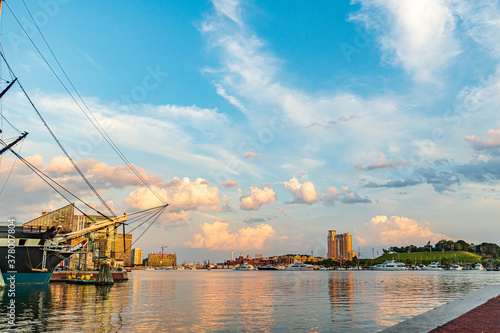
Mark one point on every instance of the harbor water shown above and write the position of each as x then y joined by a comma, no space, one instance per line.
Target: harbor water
239,301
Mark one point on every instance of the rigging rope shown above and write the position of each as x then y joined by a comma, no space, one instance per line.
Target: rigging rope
11,169
59,143
45,178
94,122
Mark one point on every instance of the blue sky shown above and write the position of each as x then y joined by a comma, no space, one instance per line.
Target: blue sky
265,124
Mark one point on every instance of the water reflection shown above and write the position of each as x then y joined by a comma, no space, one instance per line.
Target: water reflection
222,301
341,291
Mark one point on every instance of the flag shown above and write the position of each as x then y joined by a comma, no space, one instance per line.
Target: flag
428,243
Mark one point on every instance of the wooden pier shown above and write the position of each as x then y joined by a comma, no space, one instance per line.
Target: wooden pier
61,275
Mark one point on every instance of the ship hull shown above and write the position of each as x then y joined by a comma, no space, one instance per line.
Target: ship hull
25,261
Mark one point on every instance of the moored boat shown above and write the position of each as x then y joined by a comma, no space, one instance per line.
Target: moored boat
243,267
299,266
267,268
389,265
477,266
433,266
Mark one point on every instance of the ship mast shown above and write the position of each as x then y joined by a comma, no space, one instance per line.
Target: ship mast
101,225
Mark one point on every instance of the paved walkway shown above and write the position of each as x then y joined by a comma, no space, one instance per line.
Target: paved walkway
466,314
484,318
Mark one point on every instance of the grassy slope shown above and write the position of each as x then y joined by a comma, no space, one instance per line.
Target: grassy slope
431,256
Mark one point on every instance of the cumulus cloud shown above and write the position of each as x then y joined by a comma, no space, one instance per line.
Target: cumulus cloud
346,196
479,144
418,35
383,163
183,195
256,198
229,184
396,230
102,176
217,236
302,193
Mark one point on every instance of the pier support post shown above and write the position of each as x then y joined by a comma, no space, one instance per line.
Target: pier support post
105,276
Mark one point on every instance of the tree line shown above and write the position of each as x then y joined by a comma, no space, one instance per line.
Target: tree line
484,249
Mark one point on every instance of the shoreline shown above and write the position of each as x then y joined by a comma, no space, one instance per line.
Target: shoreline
444,314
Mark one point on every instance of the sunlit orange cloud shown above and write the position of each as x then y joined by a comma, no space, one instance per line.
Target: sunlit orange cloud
100,173
383,163
396,230
229,184
485,144
217,236
301,193
183,196
257,198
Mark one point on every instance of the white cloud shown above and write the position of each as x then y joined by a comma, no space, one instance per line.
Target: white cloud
302,193
229,8
231,99
395,231
481,21
419,35
257,198
217,236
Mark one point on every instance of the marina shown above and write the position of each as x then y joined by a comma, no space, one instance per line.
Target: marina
224,300
240,166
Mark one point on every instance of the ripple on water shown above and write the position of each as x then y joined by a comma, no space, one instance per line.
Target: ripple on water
221,301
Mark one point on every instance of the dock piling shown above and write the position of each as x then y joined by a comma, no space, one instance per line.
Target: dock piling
105,276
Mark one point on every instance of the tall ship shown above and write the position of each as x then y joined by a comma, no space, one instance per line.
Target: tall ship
30,256
30,252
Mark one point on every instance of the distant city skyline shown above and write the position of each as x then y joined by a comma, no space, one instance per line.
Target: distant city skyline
264,124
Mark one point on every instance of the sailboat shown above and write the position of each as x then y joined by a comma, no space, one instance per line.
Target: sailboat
29,255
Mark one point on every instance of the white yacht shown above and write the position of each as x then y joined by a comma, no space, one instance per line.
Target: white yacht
243,267
299,266
455,267
389,265
433,266
477,266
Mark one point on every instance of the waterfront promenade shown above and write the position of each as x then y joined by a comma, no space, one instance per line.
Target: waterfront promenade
478,311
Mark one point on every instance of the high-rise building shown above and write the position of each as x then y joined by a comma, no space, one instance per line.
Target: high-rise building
332,250
340,246
137,256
